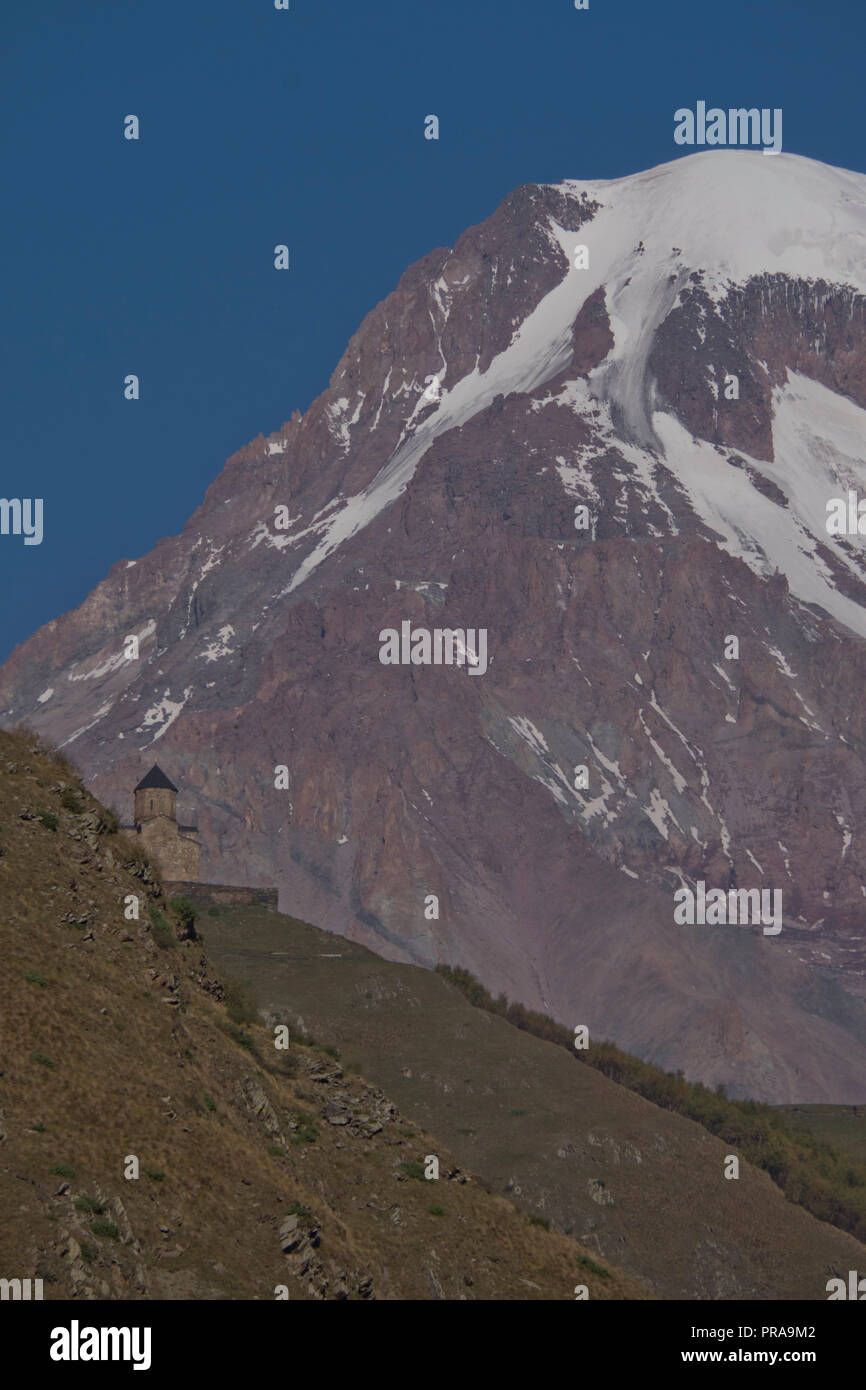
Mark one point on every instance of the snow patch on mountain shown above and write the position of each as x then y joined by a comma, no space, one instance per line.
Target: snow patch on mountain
339,422
679,780
220,647
756,529
659,812
113,662
163,713
263,533
723,212
733,216
100,714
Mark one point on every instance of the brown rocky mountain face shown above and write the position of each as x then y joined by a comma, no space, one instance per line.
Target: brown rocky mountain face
435,481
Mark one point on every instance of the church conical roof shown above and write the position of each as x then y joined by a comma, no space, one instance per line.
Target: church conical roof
155,778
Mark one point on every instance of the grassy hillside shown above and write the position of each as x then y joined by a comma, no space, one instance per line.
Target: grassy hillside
841,1128
818,1162
636,1183
258,1168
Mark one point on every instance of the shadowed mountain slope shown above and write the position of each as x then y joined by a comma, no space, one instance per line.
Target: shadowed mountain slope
634,1183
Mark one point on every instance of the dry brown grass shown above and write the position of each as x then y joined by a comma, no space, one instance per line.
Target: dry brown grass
134,1073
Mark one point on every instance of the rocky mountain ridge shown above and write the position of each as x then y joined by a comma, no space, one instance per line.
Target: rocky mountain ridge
681,354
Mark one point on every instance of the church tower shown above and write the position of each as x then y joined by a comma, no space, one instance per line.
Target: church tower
155,795
175,848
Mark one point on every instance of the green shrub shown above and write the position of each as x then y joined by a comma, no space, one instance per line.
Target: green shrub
298,1209
435,1209
34,978
63,1170
89,1204
41,1059
163,934
155,1174
102,1227
48,818
413,1169
586,1263
240,1005
539,1221
210,1103
86,1253
186,912
70,800
242,1039
306,1132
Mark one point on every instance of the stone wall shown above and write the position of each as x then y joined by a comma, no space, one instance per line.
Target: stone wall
155,801
222,894
176,853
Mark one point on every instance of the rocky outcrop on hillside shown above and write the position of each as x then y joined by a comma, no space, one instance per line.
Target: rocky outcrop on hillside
156,1144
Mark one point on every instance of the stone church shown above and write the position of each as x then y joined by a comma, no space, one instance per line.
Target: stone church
175,848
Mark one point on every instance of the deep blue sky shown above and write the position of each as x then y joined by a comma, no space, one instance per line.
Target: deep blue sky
303,127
